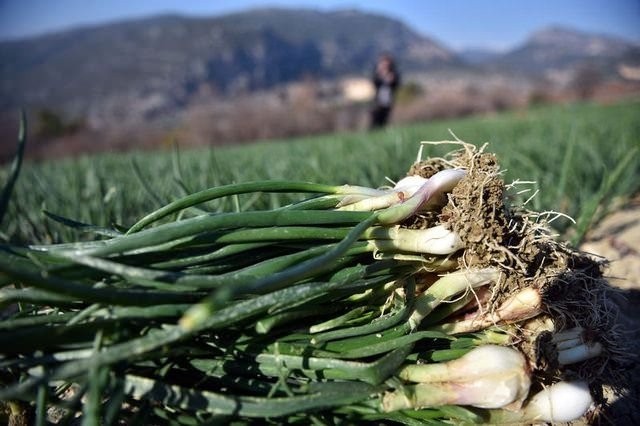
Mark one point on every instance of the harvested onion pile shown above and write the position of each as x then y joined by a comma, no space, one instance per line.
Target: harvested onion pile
434,300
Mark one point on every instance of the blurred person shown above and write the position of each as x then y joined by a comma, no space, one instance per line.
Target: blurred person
386,80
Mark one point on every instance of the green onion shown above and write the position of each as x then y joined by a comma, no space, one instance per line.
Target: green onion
353,304
487,377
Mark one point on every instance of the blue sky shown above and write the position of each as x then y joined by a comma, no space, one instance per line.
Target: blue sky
497,24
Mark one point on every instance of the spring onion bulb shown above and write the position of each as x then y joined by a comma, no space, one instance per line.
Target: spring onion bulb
571,346
370,204
489,376
446,179
523,305
416,191
410,184
437,186
431,193
448,286
403,189
436,240
560,402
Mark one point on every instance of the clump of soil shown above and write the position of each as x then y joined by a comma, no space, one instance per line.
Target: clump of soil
519,242
496,233
427,168
477,213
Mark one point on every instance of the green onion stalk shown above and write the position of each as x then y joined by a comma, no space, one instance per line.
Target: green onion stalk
353,304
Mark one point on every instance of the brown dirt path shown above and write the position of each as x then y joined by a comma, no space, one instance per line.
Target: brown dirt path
617,238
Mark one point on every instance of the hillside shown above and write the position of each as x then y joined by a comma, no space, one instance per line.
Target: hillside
561,49
161,62
156,66
267,73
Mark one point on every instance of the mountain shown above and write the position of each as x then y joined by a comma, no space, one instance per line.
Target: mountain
559,49
157,64
136,70
478,55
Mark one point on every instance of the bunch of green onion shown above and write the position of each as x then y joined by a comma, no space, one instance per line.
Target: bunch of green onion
327,310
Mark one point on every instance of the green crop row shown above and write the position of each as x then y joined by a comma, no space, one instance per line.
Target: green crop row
582,158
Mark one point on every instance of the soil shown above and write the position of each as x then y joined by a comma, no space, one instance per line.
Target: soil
617,239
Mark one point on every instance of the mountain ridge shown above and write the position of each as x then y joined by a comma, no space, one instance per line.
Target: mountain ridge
158,64
557,47
173,54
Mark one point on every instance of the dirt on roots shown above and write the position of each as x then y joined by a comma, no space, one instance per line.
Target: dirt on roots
617,240
574,288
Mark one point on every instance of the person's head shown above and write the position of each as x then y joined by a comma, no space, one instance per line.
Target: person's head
385,62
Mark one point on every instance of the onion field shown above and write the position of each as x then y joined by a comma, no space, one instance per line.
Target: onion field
583,158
